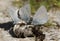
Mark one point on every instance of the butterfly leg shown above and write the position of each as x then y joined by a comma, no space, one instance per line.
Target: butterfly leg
42,37
36,38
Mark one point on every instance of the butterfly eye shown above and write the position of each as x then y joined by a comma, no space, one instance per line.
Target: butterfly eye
22,24
30,26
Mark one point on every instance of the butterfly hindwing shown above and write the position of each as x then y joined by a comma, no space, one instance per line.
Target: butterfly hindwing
40,16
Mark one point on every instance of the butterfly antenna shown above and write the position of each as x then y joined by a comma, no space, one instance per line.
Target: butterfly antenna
18,15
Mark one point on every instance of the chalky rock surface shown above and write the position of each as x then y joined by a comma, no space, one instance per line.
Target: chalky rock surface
4,18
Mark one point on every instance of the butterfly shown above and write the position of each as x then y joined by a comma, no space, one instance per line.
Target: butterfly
23,19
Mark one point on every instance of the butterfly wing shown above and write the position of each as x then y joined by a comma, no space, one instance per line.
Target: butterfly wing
25,12
41,16
13,13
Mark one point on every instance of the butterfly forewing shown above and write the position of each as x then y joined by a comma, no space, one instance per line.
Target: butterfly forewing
13,13
41,16
25,12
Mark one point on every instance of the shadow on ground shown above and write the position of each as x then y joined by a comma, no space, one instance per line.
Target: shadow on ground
8,26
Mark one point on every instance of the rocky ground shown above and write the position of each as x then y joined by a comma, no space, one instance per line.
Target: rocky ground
5,36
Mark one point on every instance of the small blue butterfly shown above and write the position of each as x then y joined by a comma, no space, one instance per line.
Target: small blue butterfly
23,15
